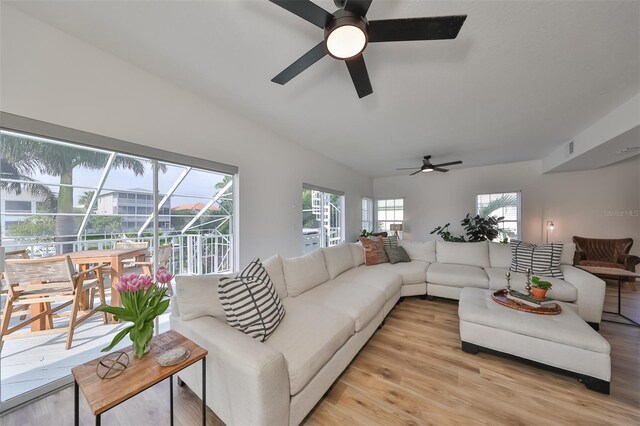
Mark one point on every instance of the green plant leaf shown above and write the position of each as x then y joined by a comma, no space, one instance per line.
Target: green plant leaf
117,338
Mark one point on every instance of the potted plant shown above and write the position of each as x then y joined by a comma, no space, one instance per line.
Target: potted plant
539,288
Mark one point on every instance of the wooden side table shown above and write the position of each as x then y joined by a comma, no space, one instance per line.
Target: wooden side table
141,374
614,272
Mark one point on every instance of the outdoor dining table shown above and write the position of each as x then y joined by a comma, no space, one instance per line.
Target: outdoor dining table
84,258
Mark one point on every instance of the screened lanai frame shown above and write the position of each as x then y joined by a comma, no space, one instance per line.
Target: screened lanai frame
112,147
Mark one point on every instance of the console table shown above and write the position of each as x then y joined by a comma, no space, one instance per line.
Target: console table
141,374
621,274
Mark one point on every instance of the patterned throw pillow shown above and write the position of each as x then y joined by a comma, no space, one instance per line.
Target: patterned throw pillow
397,254
250,302
543,260
391,241
373,251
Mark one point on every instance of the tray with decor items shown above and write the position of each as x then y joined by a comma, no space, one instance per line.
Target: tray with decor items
500,297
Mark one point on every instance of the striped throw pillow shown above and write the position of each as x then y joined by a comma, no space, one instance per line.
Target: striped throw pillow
390,242
251,303
543,260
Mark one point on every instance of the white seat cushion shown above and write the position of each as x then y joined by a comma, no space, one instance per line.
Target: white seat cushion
566,328
413,272
338,258
304,272
560,290
419,250
473,254
358,301
308,336
457,275
385,281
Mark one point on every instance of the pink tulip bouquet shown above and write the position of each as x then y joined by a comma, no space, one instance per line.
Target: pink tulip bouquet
142,301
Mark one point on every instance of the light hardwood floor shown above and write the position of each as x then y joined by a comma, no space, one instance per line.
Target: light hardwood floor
412,371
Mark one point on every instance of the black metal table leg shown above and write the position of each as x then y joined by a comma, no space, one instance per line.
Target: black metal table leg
76,404
171,397
98,419
204,391
619,313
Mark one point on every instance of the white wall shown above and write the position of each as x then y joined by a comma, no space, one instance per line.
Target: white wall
51,76
579,203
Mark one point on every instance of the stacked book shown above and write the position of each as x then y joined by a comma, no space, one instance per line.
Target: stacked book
518,297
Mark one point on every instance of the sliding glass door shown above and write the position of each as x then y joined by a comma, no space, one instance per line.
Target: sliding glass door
59,198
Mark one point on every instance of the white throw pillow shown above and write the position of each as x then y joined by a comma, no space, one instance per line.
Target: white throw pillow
419,250
197,296
305,272
338,259
472,254
357,252
273,266
568,252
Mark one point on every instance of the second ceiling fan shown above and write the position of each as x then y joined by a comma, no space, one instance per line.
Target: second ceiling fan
428,167
347,33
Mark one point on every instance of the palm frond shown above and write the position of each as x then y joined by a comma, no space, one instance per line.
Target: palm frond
502,202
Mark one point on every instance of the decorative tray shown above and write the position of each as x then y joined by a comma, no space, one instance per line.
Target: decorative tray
500,297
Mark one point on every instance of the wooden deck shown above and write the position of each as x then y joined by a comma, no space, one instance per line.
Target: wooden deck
31,362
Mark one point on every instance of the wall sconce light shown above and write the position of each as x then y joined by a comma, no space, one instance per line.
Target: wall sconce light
396,227
550,227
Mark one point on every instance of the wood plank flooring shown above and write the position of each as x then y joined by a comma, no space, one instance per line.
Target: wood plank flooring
412,371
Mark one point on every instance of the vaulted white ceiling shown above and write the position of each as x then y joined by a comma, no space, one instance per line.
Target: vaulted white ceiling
520,79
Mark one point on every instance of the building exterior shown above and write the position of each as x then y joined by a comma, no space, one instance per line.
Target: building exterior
15,208
134,206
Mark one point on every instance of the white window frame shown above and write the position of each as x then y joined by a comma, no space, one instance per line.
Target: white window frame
518,208
367,207
325,191
377,219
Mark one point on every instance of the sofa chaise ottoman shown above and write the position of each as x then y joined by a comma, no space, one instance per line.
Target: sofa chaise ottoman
563,341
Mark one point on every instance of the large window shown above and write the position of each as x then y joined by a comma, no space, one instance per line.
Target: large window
59,197
389,212
322,218
502,204
367,214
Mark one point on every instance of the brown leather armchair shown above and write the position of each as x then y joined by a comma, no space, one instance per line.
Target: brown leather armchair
606,253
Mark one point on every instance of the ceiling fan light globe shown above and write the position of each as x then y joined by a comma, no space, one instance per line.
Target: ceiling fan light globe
427,170
346,41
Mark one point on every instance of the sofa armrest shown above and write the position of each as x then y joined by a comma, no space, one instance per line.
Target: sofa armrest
591,290
629,261
247,381
175,311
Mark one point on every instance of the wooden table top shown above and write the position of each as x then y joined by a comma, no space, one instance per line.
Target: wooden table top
141,374
613,272
83,254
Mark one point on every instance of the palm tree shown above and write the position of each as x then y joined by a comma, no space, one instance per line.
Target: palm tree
28,156
85,199
498,203
10,172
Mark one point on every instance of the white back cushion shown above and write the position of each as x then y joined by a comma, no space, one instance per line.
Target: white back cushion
568,251
473,254
197,296
419,250
338,259
273,266
500,255
357,252
305,272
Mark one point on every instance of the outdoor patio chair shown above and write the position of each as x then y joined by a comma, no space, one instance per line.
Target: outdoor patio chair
163,252
39,283
15,254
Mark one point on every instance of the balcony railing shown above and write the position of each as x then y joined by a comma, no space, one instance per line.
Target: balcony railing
192,253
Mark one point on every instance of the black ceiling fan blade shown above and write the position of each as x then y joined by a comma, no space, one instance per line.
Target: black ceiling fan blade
437,169
409,168
359,75
303,62
447,164
307,10
360,7
416,172
433,28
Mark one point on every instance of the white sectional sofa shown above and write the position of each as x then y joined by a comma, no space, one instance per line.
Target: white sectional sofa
334,304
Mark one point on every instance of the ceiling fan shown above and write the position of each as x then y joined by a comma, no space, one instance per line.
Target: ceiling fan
428,167
347,33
